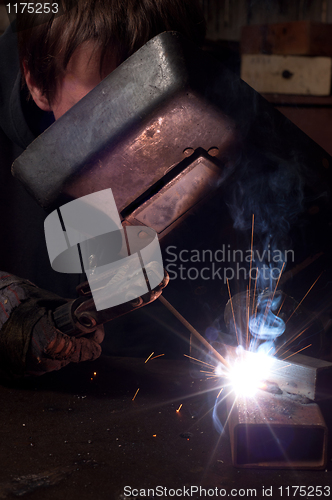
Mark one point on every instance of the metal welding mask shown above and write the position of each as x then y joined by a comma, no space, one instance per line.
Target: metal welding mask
162,131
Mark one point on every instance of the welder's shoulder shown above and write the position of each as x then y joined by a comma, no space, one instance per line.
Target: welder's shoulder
9,75
9,63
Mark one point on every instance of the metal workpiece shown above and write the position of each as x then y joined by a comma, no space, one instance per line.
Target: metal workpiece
279,425
277,431
298,375
304,375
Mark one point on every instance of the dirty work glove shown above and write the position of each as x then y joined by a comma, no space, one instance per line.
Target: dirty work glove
29,342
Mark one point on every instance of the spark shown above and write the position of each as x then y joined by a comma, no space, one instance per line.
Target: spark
178,410
253,300
154,435
94,373
256,309
251,247
193,331
154,357
297,352
282,367
282,303
220,392
314,283
248,314
292,339
147,359
135,394
199,360
281,270
230,298
295,270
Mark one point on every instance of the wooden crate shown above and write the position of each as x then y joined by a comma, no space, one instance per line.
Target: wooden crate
287,74
295,38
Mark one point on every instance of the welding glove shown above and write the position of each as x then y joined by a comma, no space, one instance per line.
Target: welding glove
29,342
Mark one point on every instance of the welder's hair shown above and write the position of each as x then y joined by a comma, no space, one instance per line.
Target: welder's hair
117,27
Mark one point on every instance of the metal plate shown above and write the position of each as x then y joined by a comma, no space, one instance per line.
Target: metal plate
277,431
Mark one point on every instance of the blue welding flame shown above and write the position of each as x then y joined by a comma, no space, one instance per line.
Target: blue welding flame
265,326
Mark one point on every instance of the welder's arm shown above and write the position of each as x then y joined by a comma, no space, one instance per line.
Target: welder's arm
29,342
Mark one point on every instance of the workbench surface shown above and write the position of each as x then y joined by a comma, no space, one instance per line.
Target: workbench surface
67,436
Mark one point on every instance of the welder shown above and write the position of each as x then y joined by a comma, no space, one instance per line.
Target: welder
60,56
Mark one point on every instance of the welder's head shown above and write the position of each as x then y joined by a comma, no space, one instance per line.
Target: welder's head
65,56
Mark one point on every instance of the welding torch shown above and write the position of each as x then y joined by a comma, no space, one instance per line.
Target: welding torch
80,316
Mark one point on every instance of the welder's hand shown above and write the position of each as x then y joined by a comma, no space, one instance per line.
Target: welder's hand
51,349
29,342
